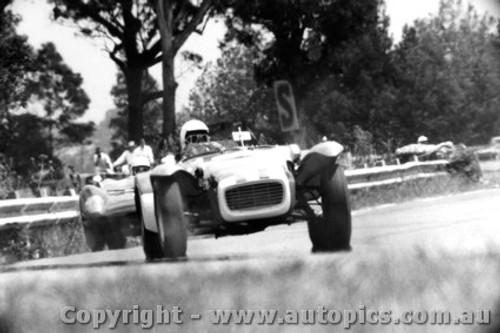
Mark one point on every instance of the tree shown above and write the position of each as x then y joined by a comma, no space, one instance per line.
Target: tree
15,58
449,77
29,81
129,30
58,89
227,94
28,139
177,20
336,56
152,110
132,29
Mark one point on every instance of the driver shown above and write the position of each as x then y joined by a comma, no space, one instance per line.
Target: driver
195,140
193,131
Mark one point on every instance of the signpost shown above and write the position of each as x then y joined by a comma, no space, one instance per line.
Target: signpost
242,136
285,102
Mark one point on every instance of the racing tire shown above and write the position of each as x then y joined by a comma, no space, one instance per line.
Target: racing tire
332,231
151,244
113,235
169,208
93,237
150,240
101,232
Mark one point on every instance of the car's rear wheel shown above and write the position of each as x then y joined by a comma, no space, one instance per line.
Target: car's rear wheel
93,237
150,240
100,232
332,230
169,207
113,235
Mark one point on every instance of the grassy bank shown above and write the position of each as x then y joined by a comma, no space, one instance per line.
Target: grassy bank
32,301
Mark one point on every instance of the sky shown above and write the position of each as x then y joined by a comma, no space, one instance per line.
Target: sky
90,59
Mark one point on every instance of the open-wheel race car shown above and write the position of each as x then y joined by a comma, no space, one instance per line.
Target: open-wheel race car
236,190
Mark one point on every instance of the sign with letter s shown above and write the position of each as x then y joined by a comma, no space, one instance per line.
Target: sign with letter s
285,101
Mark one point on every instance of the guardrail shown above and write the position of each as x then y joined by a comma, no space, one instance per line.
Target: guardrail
35,212
394,174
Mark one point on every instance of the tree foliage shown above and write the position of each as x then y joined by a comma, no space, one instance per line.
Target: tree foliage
58,89
351,83
449,76
335,56
226,95
132,31
41,98
441,80
15,56
152,110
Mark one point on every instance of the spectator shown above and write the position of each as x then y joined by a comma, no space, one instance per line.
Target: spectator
102,162
116,150
145,151
463,161
262,139
126,158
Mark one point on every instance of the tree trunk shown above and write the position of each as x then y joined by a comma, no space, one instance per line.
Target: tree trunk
165,21
134,93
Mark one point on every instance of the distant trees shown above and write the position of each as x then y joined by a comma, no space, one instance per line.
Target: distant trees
132,28
442,79
152,111
336,56
351,82
53,103
227,95
54,86
15,56
40,97
129,31
449,77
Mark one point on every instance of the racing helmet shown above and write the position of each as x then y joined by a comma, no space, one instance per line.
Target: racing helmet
422,139
193,131
140,164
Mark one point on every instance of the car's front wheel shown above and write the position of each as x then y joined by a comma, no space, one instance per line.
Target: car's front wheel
169,207
332,230
150,240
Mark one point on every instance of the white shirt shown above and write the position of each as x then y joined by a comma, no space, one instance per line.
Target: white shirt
125,158
145,151
103,163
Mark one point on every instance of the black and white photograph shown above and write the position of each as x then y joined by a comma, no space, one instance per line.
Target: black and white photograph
250,166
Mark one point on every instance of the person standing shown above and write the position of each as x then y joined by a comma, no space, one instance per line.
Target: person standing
102,162
126,158
144,150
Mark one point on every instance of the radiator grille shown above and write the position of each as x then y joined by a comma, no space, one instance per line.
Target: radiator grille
254,196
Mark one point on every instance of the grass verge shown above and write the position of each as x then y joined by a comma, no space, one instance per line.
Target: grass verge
32,301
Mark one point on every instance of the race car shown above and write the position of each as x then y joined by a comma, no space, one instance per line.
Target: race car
221,189
232,190
424,152
107,207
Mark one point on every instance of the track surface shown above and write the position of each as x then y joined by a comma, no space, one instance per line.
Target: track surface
461,224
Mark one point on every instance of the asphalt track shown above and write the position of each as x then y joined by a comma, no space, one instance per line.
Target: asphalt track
459,225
